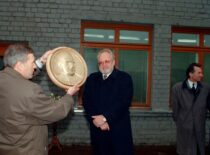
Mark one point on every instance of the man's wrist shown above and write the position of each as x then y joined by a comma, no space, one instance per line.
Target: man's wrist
39,63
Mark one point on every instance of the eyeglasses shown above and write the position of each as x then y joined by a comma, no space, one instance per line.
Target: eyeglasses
104,62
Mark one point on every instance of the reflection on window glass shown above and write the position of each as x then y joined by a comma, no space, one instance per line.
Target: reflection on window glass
134,37
99,35
180,62
185,39
207,40
1,63
136,64
206,67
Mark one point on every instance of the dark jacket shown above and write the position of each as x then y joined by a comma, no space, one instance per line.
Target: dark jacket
189,114
111,98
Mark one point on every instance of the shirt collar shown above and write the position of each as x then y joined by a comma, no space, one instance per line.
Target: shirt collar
106,74
190,83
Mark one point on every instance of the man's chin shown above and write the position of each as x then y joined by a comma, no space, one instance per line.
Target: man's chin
106,71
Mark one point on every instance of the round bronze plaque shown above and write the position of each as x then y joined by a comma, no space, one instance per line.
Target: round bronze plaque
66,67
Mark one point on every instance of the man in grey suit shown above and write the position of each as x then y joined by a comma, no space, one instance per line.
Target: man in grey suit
25,109
190,101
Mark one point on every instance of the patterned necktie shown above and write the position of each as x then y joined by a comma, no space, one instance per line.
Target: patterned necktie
104,76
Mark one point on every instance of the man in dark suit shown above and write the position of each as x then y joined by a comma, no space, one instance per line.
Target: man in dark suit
25,109
107,97
190,101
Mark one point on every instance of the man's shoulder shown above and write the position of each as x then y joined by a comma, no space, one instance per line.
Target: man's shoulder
94,75
178,84
120,73
205,84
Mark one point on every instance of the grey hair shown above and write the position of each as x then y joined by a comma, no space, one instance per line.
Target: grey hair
15,53
106,50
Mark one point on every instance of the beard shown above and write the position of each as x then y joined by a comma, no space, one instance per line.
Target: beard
106,71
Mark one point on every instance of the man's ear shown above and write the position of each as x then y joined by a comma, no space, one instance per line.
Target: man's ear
190,74
18,66
113,62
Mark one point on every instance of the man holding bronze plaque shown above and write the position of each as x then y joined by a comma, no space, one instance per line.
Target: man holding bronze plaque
25,109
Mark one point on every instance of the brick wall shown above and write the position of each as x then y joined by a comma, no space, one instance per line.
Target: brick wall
47,24
148,128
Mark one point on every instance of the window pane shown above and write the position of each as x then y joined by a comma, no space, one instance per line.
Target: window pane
99,35
185,39
134,37
207,40
180,62
90,56
206,68
136,64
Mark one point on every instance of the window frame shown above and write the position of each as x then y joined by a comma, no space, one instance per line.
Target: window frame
3,47
200,50
5,44
117,46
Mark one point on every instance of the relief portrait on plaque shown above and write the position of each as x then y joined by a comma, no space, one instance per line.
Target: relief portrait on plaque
66,67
